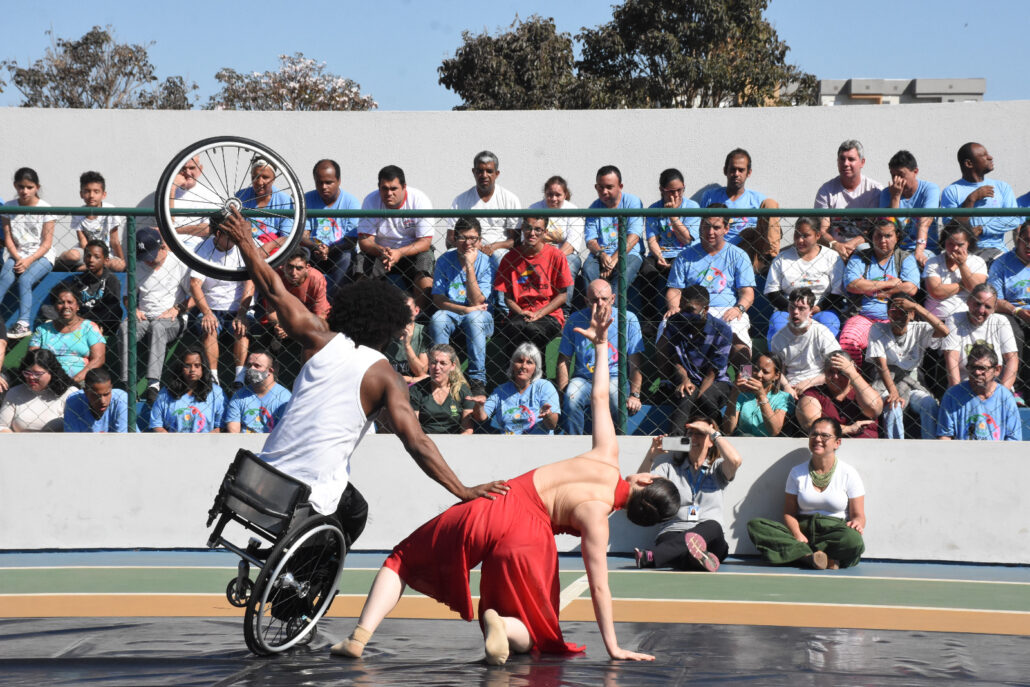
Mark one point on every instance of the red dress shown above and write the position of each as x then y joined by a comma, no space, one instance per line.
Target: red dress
513,538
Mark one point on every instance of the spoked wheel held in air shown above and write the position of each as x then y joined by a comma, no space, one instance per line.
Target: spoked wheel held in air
214,176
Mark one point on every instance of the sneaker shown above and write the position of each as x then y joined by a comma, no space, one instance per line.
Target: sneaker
19,331
697,547
477,387
645,558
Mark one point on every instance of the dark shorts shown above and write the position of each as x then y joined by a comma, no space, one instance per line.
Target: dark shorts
410,267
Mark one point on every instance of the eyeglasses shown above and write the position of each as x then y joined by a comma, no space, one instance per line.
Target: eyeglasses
979,368
822,436
530,229
466,238
674,191
32,375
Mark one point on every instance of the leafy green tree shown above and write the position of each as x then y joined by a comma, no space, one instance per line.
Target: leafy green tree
689,53
300,84
527,67
97,72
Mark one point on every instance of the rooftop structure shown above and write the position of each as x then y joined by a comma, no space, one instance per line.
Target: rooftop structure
900,91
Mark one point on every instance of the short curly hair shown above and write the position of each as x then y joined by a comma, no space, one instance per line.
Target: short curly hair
370,312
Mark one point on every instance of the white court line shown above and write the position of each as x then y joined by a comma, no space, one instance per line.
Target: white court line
573,591
816,576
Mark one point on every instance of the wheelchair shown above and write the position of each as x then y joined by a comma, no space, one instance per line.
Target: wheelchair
298,557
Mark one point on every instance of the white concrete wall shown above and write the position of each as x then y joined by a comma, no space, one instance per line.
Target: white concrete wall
794,149
953,501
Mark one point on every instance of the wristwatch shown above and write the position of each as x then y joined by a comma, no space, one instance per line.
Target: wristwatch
634,394
715,435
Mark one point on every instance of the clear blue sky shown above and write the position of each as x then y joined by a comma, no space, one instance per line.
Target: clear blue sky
393,49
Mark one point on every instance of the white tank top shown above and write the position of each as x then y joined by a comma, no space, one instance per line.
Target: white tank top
324,421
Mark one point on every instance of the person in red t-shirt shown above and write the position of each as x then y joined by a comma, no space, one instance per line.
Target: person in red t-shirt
533,277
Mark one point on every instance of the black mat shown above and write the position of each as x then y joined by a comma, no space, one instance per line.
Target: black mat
184,651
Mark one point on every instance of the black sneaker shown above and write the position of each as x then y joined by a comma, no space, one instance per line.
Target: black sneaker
477,387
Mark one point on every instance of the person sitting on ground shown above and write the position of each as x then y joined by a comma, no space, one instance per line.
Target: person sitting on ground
824,511
526,403
442,401
759,236
190,402
162,301
407,352
98,290
330,240
873,275
979,408
462,288
806,264
896,353
602,233
259,405
980,324
951,275
98,408
693,357
694,539
37,404
845,396
271,231
575,385
666,239
907,190
564,233
78,343
726,272
396,245
221,305
533,279
804,344
29,240
513,538
102,228
756,407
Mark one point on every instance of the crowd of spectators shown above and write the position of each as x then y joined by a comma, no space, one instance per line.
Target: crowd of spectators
894,327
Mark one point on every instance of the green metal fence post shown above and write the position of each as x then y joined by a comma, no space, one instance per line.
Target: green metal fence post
621,326
130,316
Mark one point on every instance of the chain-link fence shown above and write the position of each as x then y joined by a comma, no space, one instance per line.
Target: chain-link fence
729,314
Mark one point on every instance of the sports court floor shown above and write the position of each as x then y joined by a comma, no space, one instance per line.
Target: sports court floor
161,618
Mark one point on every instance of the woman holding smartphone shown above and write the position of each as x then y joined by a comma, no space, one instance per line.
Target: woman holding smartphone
694,539
756,407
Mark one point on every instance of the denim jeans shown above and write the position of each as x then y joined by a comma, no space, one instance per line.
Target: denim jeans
592,270
575,265
778,320
576,403
478,327
26,280
924,404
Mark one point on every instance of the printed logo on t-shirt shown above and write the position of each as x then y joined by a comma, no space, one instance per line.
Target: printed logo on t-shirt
257,417
328,230
1022,287
523,277
457,289
982,427
713,279
521,414
261,231
613,357
191,419
981,342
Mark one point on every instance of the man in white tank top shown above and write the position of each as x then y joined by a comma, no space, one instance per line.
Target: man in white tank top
342,388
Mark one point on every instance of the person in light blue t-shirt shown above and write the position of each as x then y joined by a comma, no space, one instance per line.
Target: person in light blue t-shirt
526,404
760,237
462,284
974,189
97,408
907,190
602,233
190,403
331,240
980,408
666,239
578,385
259,405
271,231
1010,277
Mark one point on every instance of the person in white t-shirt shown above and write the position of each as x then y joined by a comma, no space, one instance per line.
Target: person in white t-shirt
499,233
896,349
221,305
104,228
950,276
849,189
397,245
188,192
804,345
567,234
980,324
163,294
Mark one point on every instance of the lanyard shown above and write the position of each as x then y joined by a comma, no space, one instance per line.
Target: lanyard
695,486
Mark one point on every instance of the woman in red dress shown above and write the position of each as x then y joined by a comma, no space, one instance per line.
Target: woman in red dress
512,535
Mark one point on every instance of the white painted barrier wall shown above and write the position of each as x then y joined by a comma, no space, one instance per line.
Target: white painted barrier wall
951,501
794,149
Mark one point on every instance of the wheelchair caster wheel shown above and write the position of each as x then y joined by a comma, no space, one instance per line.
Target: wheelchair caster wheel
239,595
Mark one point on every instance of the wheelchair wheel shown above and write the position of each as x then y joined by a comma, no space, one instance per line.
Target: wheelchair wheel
237,594
214,176
295,588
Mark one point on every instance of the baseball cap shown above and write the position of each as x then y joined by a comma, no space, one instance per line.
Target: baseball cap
148,243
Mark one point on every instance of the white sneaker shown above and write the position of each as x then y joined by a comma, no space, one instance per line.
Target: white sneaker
19,331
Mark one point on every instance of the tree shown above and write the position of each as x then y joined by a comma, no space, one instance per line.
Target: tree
689,53
300,84
97,72
528,67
